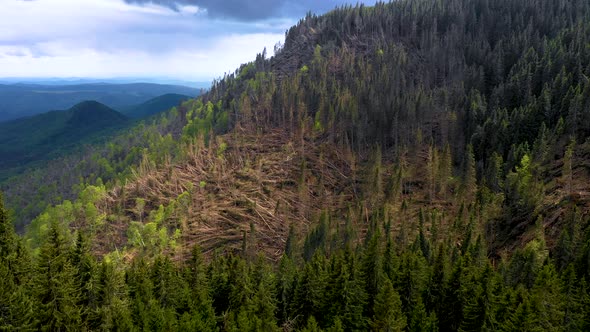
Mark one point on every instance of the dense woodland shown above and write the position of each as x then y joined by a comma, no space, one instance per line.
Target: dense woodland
418,165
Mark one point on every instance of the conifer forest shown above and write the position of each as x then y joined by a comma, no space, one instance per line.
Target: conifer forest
416,165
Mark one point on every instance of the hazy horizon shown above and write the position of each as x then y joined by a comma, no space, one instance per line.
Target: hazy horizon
105,80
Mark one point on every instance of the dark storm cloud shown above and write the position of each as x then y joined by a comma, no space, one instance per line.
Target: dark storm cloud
250,10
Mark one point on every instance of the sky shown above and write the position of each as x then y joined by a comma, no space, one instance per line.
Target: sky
194,40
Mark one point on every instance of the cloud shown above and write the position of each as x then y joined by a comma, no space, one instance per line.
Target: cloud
248,10
108,38
197,62
192,39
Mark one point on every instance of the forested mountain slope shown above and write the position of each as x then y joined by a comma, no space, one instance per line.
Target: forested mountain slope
155,105
418,165
27,99
47,135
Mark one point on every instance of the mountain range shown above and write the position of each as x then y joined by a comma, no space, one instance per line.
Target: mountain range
30,140
26,99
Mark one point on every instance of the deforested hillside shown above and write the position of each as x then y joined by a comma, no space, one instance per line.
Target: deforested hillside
496,91
418,165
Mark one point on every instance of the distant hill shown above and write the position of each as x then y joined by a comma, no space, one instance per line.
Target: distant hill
46,135
24,99
155,105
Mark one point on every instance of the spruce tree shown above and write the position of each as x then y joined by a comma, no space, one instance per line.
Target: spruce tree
372,270
17,311
388,315
56,289
85,270
111,310
202,313
568,172
573,318
469,187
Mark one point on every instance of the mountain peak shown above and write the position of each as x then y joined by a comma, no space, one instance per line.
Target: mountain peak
93,113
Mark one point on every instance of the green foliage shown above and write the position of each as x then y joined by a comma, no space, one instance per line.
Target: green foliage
28,141
523,190
466,87
56,289
388,315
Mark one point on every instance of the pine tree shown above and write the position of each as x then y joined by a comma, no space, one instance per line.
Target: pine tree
143,306
469,175
263,305
309,295
8,238
372,270
170,289
521,319
584,324
390,260
432,170
445,170
337,326
202,314
240,284
474,310
452,310
374,181
285,288
388,315
17,309
438,280
111,310
567,173
345,295
85,265
573,318
422,240
420,320
290,243
564,250
16,306
312,325
56,289
547,301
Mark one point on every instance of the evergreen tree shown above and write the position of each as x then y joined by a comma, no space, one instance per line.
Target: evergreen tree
309,295
469,175
290,244
8,239
201,316
286,280
312,325
445,170
56,289
84,265
388,315
16,306
573,295
112,304
372,269
547,301
420,320
567,173
264,304
346,297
